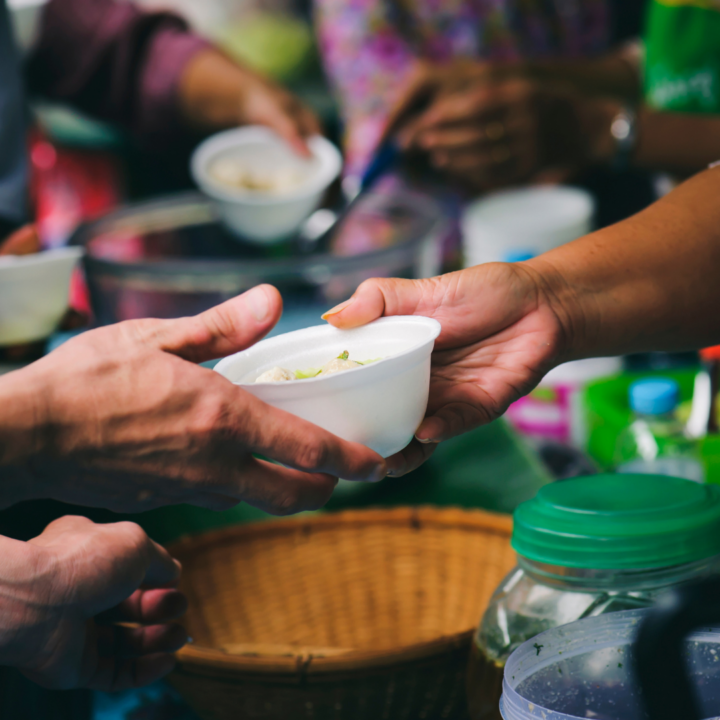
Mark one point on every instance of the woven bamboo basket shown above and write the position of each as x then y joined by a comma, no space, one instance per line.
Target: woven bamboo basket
359,615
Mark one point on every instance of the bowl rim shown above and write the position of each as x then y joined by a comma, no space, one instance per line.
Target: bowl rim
433,326
321,148
203,660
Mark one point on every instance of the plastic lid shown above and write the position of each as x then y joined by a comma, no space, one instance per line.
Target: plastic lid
655,396
620,522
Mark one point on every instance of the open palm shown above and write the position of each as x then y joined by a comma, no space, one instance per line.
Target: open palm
500,335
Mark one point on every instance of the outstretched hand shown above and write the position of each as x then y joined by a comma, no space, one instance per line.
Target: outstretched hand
500,335
122,417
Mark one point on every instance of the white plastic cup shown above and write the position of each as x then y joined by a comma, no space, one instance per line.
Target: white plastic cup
265,217
529,220
34,292
379,405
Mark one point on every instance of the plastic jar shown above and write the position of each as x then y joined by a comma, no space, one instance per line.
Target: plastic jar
587,547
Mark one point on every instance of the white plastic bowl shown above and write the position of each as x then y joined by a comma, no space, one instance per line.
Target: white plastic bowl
34,293
379,405
265,217
526,220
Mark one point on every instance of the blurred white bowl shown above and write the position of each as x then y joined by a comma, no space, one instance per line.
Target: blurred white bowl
379,405
34,293
261,216
526,221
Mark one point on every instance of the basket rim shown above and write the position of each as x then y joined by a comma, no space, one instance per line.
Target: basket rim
197,658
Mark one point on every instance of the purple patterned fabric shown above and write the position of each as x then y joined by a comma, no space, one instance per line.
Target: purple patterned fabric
369,59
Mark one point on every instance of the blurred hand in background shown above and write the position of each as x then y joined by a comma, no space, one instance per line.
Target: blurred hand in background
67,596
216,92
490,125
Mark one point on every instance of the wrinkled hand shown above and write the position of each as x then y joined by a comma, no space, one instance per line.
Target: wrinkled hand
216,93
500,334
63,594
264,103
122,417
489,125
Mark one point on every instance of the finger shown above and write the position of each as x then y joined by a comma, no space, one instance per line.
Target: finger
117,641
308,121
483,103
461,136
24,241
161,569
377,297
287,125
299,444
411,458
225,329
476,135
285,491
147,607
115,675
419,88
453,419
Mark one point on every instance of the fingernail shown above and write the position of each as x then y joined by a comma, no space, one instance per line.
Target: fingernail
338,308
377,474
257,300
427,441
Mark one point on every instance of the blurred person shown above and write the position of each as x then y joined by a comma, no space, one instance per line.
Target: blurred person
123,418
500,123
647,283
145,71
372,50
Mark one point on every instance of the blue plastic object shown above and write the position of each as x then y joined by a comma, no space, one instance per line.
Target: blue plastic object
514,256
656,396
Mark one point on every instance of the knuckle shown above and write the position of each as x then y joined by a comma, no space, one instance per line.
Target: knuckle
288,503
312,456
133,535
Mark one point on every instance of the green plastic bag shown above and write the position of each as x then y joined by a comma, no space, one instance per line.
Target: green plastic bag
682,56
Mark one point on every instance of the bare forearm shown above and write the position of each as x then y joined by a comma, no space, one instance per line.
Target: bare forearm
210,90
650,282
616,74
677,142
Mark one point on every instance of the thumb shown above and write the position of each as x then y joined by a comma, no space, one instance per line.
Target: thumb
222,330
381,297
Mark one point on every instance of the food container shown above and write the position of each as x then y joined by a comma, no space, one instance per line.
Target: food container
588,669
34,291
358,615
518,224
265,216
380,404
588,547
171,257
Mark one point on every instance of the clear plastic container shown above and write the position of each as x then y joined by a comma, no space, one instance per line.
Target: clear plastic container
656,443
588,670
588,547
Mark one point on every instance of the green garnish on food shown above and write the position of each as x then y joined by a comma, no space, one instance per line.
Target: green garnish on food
306,374
338,364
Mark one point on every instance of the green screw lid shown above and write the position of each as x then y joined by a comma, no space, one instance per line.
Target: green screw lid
620,522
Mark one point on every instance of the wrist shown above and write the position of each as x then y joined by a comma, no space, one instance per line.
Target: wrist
22,431
566,303
212,90
27,577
